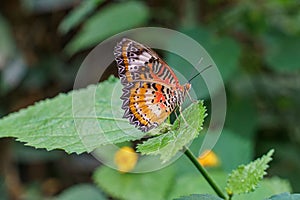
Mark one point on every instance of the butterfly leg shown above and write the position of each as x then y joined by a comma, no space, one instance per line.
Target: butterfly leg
177,117
192,100
180,111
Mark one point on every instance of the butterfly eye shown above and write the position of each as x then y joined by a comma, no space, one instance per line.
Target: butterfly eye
187,86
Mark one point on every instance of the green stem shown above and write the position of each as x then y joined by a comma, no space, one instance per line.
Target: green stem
204,173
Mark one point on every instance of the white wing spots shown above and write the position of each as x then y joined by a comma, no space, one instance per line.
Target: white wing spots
155,109
146,118
133,68
145,57
139,111
134,61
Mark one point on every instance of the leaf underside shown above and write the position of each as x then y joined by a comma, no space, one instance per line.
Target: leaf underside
168,144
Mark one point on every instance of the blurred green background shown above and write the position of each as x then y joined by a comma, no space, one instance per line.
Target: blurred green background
255,44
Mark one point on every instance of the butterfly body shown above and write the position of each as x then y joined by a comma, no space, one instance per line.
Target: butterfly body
151,89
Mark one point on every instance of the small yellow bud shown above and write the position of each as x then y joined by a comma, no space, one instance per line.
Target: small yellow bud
208,159
126,159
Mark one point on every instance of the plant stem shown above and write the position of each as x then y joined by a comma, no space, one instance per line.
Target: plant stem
204,173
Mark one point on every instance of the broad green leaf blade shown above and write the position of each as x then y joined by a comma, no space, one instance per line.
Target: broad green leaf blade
246,177
82,191
107,22
285,196
192,183
77,15
199,196
153,185
79,121
168,144
267,187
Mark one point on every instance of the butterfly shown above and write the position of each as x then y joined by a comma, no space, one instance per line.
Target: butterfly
151,89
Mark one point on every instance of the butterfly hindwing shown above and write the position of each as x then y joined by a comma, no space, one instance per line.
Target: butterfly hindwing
147,104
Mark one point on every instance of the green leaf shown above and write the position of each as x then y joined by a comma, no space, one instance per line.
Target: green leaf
246,177
199,196
193,183
77,15
109,21
153,185
268,187
168,144
281,53
285,196
79,121
82,191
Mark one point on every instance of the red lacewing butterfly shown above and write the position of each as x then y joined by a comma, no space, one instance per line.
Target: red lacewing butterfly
151,89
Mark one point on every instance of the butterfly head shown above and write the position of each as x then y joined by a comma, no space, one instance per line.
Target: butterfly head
186,88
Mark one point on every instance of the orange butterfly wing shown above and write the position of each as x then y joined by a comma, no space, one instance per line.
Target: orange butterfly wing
151,89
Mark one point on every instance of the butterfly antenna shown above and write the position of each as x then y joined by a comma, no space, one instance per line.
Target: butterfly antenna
200,72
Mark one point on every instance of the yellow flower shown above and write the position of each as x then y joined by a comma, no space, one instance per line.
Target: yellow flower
208,159
125,159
